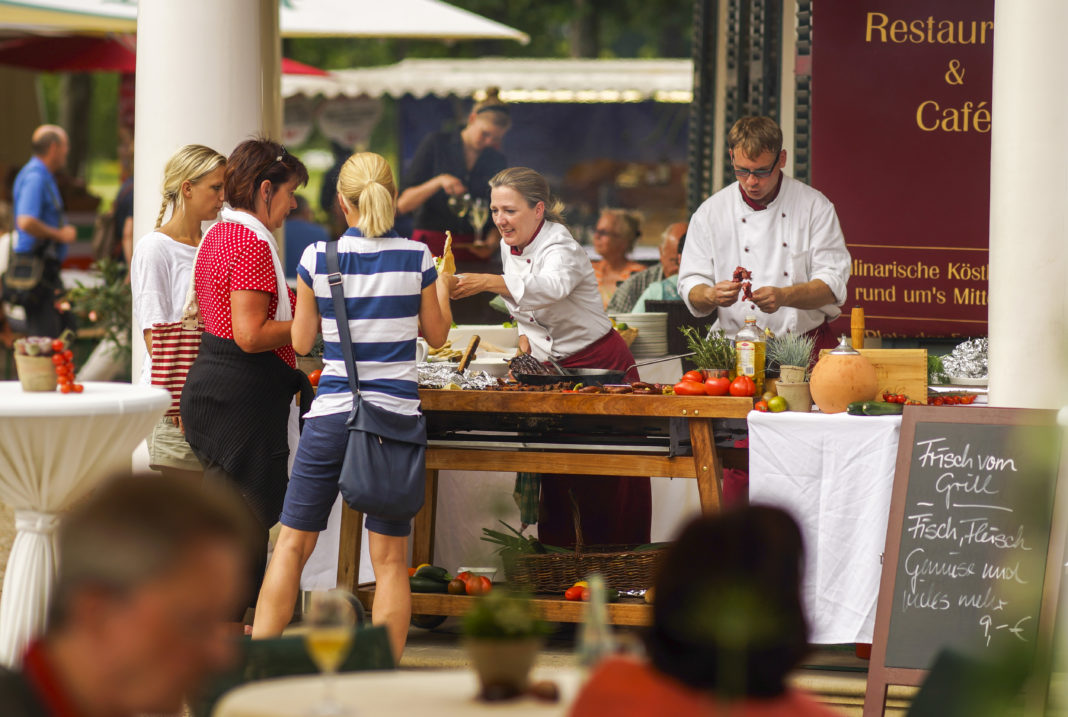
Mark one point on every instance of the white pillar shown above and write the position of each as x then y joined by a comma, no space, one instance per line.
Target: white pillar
207,73
1028,189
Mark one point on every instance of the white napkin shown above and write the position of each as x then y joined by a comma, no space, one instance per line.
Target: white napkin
284,311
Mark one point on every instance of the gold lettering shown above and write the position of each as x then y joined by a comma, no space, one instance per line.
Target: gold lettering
895,270
919,115
868,294
966,271
934,295
969,296
967,118
880,28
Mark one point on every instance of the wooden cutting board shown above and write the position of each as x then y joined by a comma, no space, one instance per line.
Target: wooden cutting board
899,371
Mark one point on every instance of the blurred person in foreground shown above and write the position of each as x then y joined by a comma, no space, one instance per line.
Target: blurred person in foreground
151,570
726,632
43,229
613,238
301,231
628,293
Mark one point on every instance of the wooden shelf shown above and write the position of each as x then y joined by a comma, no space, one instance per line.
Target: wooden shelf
589,404
628,611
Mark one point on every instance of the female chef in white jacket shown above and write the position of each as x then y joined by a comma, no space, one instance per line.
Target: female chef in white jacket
551,291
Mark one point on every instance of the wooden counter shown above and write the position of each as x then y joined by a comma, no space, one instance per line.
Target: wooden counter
456,410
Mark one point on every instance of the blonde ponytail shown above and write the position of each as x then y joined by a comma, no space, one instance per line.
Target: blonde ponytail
162,211
366,182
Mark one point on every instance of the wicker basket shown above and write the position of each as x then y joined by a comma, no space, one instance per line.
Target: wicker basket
556,572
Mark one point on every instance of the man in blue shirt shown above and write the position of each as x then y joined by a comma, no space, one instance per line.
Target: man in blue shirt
42,228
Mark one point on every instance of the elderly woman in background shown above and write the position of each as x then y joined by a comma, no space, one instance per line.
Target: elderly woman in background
613,239
726,632
549,288
238,401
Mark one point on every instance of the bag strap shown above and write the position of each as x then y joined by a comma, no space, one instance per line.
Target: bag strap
191,309
334,279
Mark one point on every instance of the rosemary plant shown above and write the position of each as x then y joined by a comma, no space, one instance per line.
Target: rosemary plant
712,349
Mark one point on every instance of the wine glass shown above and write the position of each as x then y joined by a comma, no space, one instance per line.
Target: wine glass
460,205
330,623
479,213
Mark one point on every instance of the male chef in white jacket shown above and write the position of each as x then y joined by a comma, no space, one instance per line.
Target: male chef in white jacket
783,231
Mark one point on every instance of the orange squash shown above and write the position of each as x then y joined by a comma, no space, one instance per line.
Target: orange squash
840,377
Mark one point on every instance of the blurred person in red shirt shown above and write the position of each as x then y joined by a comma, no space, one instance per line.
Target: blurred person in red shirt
151,571
726,630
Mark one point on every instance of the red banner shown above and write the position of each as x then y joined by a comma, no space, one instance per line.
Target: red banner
901,122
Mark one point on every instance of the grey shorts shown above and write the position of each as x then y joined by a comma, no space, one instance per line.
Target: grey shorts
167,448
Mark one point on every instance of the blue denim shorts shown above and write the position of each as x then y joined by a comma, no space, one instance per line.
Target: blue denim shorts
313,483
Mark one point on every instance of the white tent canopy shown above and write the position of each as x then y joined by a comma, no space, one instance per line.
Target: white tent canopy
428,19
519,80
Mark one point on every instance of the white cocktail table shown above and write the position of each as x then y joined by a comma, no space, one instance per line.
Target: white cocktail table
54,448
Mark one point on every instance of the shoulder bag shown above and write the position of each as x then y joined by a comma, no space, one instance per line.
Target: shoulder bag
384,470
175,345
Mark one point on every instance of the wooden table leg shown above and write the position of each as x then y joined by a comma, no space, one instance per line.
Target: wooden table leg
348,554
423,525
706,462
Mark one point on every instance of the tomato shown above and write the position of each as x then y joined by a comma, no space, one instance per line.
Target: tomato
693,376
969,399
411,572
465,576
58,345
742,386
777,404
574,593
585,594
456,586
937,402
57,359
69,355
314,377
761,406
689,388
65,388
478,585
717,386
78,388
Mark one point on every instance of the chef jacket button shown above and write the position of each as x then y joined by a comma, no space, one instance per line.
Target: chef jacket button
747,248
785,274
784,243
743,220
784,215
528,261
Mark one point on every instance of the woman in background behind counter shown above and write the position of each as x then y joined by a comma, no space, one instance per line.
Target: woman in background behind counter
456,166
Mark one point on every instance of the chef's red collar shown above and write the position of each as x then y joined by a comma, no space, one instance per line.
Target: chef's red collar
518,251
41,674
754,204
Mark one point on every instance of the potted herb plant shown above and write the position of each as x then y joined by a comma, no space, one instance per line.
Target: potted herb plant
792,354
713,351
502,636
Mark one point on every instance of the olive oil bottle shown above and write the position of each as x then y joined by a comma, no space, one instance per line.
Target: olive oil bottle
751,349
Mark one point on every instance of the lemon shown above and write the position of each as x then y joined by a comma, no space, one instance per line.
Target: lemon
581,584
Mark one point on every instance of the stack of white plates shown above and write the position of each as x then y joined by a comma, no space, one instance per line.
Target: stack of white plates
651,341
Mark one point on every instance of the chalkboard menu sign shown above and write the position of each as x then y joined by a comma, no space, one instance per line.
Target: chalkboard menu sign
972,545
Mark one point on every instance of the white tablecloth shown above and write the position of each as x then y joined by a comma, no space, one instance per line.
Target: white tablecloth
834,474
441,693
53,448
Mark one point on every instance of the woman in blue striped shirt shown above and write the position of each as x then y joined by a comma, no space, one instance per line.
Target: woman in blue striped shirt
392,292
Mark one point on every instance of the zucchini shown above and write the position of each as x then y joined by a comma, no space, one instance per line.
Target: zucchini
433,572
875,408
420,584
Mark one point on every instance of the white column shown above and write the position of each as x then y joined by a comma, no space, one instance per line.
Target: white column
1028,190
207,73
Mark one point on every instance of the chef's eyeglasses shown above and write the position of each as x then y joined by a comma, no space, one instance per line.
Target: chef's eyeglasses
742,173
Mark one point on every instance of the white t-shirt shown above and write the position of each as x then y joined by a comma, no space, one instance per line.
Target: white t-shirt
159,279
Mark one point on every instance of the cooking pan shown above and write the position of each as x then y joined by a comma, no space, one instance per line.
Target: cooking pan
587,376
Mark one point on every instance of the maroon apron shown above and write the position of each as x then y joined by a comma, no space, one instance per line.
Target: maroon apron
615,510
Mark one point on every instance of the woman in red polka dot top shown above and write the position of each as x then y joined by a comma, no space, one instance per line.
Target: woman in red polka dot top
238,401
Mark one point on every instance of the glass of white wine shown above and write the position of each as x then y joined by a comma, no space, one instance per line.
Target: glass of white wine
479,213
330,628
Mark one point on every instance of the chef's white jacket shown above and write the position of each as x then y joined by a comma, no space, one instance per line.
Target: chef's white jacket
555,301
796,239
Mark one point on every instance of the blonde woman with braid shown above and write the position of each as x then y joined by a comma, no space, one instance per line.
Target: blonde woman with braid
160,273
393,292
